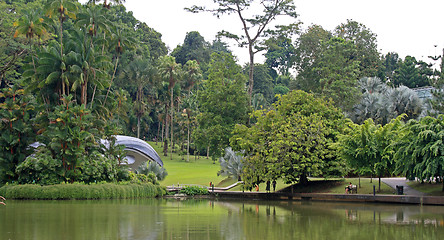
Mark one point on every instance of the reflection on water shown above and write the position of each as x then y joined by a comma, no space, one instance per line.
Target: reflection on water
206,219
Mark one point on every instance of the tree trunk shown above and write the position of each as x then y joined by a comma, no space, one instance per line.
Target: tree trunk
188,142
303,179
251,73
167,128
379,187
111,82
138,127
172,112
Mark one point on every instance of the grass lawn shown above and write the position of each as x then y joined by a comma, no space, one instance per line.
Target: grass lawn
200,171
432,189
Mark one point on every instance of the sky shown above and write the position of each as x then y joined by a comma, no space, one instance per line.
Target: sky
407,27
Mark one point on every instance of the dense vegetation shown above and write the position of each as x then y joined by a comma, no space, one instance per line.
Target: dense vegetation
326,104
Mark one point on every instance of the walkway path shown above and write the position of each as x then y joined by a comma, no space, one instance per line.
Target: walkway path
393,182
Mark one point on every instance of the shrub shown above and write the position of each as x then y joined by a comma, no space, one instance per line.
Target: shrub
82,191
194,190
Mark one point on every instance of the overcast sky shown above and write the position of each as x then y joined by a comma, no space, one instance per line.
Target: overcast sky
408,27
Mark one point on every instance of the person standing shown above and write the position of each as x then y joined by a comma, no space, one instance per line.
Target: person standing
267,188
274,185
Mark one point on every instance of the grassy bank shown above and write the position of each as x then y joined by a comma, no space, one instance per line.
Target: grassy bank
431,189
82,191
200,171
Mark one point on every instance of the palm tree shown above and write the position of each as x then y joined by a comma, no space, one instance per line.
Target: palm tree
231,164
61,9
192,74
93,18
30,25
171,71
141,72
120,41
84,61
189,105
404,100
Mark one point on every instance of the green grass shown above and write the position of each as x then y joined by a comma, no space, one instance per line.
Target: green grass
432,189
200,171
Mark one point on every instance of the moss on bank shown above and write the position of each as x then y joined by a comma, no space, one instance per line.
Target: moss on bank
82,191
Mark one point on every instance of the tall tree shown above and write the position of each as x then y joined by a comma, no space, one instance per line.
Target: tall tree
223,104
412,73
170,71
291,141
254,27
62,10
142,73
419,149
366,46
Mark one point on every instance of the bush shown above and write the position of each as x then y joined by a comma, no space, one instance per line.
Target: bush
194,190
82,191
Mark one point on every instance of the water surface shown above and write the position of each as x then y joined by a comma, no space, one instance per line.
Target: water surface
206,219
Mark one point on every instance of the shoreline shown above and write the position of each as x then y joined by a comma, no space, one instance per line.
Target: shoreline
361,198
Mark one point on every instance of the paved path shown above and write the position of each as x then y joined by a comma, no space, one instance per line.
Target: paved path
393,182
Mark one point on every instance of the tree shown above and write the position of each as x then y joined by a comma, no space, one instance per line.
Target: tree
170,71
254,27
17,130
383,103
366,47
291,142
366,147
337,73
194,47
61,9
263,82
231,164
419,149
223,104
412,73
309,48
30,25
281,52
142,73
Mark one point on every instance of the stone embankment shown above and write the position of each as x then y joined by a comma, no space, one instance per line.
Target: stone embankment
364,198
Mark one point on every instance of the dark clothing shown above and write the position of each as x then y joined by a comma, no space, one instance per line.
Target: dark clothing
268,186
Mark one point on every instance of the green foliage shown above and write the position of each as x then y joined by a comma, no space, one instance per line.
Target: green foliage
82,191
367,147
383,103
231,164
224,103
412,73
194,190
290,142
153,168
40,168
419,149
16,130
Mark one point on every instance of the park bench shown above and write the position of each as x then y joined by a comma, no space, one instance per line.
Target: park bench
354,189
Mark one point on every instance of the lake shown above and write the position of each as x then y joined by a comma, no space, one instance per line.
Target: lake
218,219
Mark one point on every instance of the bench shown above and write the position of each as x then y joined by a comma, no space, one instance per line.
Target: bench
354,189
